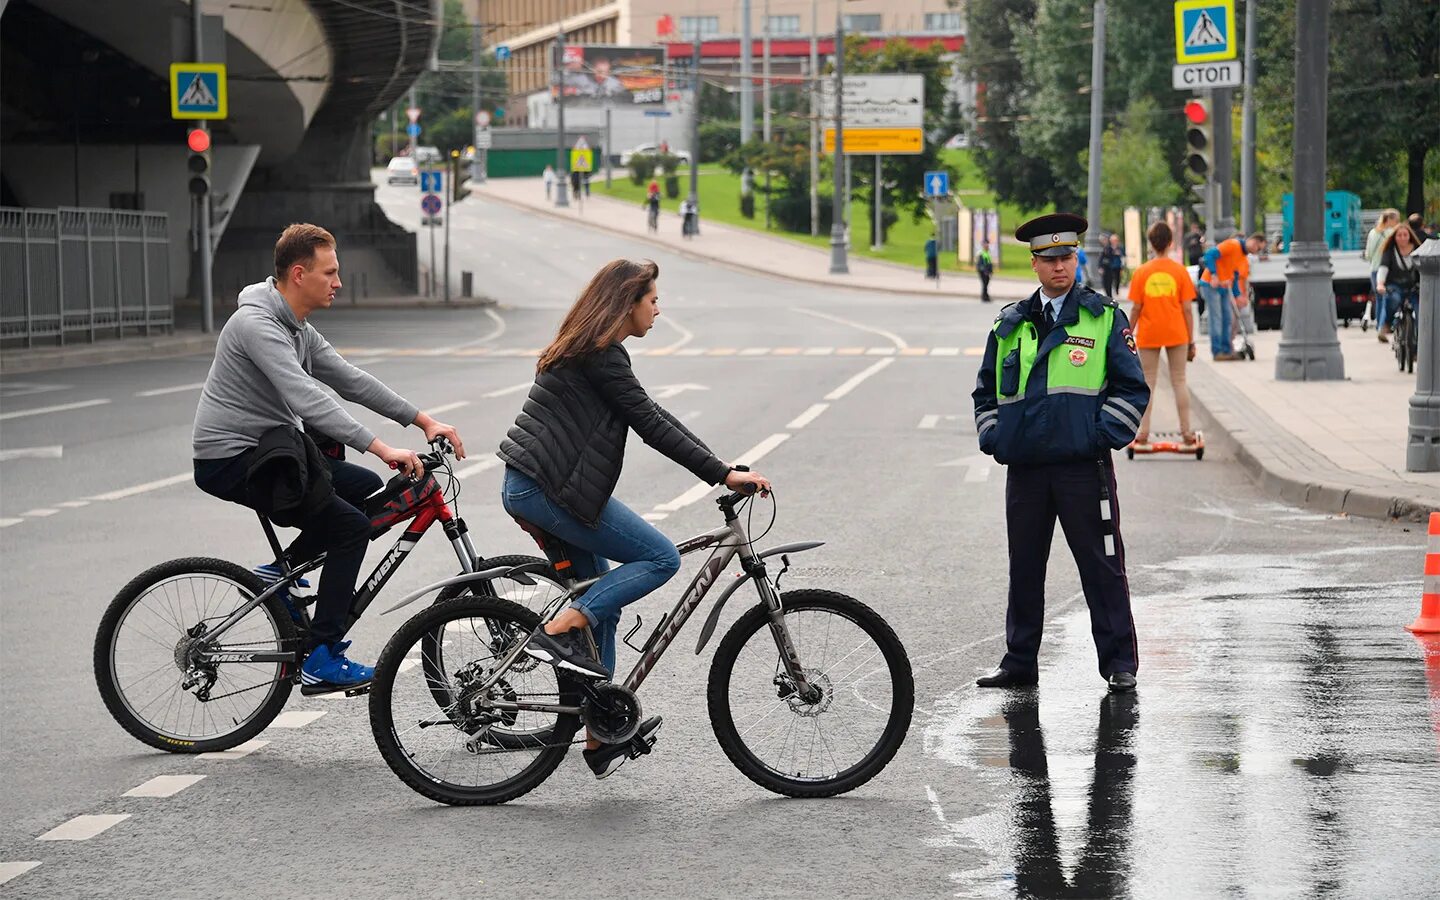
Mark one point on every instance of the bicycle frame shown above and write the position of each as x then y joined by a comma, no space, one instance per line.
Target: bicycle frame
433,510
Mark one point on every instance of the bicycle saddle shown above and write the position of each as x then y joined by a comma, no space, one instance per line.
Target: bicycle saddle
554,549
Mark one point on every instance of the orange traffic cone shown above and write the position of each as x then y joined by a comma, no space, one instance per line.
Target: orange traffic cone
1429,620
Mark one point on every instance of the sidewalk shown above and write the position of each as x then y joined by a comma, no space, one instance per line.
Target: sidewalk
741,248
1335,446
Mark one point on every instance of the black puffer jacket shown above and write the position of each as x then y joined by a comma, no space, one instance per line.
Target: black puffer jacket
570,435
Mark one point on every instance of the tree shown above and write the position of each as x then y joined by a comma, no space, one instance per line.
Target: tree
1136,170
1055,58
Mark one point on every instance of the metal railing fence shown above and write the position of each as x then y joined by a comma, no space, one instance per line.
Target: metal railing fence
71,273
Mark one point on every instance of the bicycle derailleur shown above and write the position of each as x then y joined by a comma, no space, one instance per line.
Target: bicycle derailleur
199,675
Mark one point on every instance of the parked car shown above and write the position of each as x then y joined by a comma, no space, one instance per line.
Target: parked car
651,150
425,155
402,170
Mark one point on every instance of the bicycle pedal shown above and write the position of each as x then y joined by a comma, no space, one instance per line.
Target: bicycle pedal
315,690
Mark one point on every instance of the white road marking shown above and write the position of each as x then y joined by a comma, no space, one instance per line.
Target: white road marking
977,467
6,523
933,420
447,407
296,718
483,465
974,351
146,487
39,513
755,351
702,490
179,388
239,752
686,336
945,351
880,351
53,452
819,351
13,870
46,410
890,336
512,389
655,517
856,381
21,388
83,828
690,351
666,391
73,504
163,786
407,664
807,416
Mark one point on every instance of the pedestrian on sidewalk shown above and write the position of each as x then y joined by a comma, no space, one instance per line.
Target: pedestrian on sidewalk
1059,388
1112,264
1383,227
652,212
689,227
548,176
1225,267
1160,295
984,267
932,258
1194,245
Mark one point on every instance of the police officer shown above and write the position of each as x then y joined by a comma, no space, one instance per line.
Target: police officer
1060,387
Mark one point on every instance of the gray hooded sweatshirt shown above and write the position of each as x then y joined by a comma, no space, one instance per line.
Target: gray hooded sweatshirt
266,367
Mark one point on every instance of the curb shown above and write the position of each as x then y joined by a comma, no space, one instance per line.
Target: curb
120,350
738,266
1323,487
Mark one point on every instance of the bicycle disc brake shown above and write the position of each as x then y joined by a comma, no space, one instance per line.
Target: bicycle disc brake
611,712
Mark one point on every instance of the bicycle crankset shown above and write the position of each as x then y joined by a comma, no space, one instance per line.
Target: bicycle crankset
611,712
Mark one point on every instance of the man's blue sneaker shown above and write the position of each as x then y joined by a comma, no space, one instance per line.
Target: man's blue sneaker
327,670
270,573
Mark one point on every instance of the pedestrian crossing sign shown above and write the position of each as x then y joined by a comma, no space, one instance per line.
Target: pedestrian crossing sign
1204,31
197,91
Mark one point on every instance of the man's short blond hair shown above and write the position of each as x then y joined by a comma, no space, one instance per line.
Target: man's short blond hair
297,246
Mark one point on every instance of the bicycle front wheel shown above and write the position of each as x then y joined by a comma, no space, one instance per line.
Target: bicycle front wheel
150,671
840,735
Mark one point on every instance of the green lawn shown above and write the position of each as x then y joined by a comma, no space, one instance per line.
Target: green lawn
720,202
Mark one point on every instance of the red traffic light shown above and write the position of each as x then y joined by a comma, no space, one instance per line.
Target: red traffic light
1196,112
198,139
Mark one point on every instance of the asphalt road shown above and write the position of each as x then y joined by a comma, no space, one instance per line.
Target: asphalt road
1282,742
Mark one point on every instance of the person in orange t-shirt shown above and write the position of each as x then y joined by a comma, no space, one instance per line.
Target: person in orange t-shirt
1161,291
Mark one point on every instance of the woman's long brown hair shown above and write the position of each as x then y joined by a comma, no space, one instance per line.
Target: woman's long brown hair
600,315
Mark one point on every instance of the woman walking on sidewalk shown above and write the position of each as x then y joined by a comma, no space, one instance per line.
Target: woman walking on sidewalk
1161,291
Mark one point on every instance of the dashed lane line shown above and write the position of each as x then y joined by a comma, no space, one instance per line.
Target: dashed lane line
6,523
702,490
46,410
807,416
83,828
447,407
854,382
177,389
146,487
164,786
483,465
512,389
296,718
12,870
239,752
39,513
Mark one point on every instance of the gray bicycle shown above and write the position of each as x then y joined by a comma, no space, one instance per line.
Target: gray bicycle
810,691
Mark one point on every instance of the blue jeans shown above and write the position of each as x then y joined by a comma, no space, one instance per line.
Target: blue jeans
647,558
1217,307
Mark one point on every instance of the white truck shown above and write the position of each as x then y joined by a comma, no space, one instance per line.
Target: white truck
1351,282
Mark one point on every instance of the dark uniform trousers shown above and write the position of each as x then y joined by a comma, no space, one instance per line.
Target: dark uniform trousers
1071,491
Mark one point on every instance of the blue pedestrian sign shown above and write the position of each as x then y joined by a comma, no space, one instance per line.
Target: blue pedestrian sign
413,129
198,91
1204,31
432,183
430,205
502,52
937,184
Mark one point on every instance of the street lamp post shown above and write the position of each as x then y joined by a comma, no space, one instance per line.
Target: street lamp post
1422,451
562,171
838,263
1309,350
1097,112
695,132
747,77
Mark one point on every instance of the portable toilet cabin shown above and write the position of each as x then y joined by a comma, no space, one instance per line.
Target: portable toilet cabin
1344,229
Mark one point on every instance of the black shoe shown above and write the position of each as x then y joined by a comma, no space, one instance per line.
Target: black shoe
1122,682
606,758
568,650
1003,677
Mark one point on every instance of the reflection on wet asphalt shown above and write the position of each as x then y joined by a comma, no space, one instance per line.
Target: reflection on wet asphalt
1285,740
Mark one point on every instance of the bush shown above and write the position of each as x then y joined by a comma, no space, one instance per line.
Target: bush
792,212
672,185
717,140
642,166
747,205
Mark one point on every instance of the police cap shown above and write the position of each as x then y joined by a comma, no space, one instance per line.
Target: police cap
1057,234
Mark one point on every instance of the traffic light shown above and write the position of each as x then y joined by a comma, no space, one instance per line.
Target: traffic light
1199,137
459,175
198,140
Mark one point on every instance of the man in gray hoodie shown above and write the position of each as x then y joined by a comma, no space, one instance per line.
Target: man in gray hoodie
269,363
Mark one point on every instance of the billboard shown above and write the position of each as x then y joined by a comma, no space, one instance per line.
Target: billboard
601,75
883,114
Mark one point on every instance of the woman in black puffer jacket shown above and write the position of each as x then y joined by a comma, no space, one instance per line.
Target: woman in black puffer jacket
563,458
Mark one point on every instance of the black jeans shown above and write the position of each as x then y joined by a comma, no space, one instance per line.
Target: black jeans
1111,281
340,528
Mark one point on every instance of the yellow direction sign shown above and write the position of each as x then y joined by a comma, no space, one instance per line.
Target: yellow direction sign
582,160
1204,31
885,141
197,91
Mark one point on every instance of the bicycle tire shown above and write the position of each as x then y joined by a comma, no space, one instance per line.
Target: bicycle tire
104,655
432,654
384,728
896,726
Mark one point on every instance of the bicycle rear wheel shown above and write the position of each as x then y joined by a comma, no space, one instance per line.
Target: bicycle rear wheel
463,754
835,740
145,656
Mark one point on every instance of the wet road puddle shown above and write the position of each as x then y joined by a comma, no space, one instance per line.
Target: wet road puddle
1284,740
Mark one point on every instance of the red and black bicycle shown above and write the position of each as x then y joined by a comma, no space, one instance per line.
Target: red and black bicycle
200,654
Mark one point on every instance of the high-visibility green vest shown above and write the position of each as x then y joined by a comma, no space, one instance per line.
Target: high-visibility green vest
1076,366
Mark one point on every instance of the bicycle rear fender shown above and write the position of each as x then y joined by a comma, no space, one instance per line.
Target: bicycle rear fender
466,578
714,618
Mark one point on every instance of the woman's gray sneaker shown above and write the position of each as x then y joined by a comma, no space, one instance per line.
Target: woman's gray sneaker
606,758
568,650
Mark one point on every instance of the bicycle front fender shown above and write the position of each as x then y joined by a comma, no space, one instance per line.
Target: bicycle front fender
465,578
714,618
